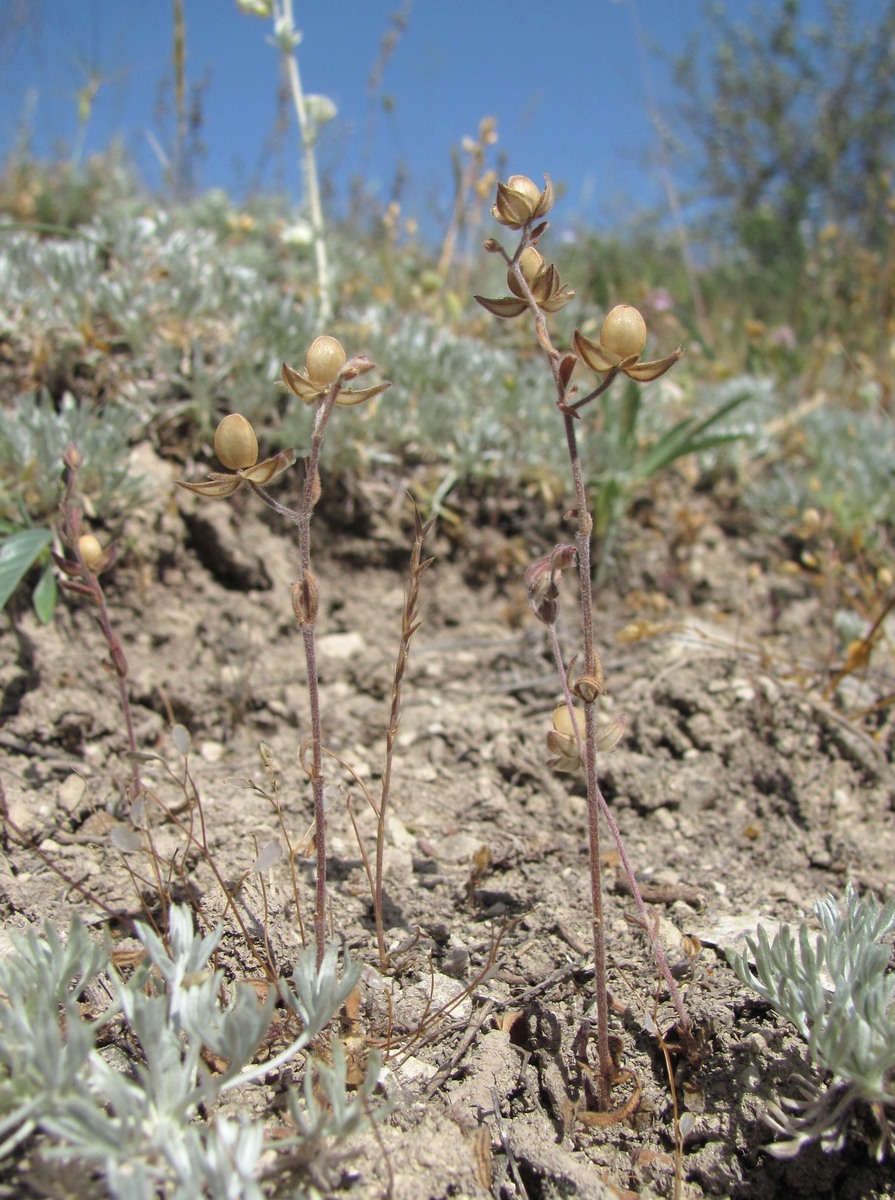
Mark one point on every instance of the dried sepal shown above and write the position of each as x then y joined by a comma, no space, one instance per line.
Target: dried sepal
306,599
505,307
300,385
609,738
347,398
590,685
359,365
567,365
565,741
216,487
593,355
648,371
80,589
270,468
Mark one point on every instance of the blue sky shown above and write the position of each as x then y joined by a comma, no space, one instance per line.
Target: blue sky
571,83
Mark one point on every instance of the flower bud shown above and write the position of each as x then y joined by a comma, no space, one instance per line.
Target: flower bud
91,552
543,594
623,332
71,458
235,443
325,359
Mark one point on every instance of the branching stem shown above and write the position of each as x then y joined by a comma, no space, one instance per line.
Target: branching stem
596,802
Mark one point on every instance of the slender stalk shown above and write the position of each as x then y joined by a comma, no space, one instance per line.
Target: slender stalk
84,581
409,625
119,662
301,518
596,802
312,185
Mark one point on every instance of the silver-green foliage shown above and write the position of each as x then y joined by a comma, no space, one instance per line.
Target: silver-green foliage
138,1125
837,991
843,466
34,435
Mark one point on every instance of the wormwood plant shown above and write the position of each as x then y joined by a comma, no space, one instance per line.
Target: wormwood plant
321,384
575,740
133,1116
839,993
34,437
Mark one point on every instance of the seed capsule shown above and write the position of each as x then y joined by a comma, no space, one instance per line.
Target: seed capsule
623,332
235,443
91,552
325,359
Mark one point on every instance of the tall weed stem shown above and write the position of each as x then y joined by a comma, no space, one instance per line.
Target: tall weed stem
526,271
310,494
409,624
82,572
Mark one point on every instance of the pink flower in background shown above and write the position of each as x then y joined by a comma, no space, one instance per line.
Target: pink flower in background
659,300
783,336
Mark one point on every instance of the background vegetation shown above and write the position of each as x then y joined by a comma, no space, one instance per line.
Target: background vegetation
127,316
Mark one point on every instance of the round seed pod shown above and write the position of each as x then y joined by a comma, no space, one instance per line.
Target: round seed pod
235,443
528,187
325,359
91,552
531,261
623,332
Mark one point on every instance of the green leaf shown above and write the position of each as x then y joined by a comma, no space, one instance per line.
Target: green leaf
684,438
18,554
44,595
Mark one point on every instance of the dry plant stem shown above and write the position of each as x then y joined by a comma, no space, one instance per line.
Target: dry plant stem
89,585
302,520
595,800
409,625
119,662
290,63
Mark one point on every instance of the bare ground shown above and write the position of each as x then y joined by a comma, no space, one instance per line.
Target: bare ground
742,790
